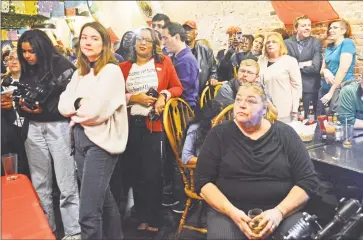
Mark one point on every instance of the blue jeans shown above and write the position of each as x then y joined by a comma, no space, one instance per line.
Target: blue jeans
99,215
47,141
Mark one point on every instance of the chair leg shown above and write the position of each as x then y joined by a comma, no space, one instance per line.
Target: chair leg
183,218
202,208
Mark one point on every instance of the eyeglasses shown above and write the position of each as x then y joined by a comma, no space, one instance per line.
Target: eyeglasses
248,72
146,40
12,59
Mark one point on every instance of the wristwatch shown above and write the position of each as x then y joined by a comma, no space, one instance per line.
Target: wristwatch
164,94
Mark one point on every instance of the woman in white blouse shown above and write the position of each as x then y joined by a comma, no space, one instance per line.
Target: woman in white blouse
281,76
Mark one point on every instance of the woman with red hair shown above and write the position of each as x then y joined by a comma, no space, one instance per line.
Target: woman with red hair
338,63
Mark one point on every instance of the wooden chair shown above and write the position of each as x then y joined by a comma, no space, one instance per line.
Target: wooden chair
209,94
177,114
225,114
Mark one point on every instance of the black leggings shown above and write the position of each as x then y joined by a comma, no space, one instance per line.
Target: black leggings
221,226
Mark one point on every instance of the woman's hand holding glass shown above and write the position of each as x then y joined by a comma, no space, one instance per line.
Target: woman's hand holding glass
269,220
241,220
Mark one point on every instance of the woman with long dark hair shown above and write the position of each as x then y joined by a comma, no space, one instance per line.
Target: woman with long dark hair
198,130
151,80
95,102
46,131
126,44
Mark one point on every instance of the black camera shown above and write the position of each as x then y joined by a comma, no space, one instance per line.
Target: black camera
303,229
48,85
152,114
346,224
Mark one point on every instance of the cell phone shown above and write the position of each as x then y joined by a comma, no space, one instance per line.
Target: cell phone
152,92
239,36
7,91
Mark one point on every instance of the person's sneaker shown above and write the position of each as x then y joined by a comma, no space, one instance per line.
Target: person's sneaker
168,190
179,208
169,201
73,237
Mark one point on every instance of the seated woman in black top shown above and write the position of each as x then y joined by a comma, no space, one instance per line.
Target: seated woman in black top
253,162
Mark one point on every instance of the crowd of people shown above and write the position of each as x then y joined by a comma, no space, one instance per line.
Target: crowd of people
93,114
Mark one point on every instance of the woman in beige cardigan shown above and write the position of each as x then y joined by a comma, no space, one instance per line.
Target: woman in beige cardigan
281,76
95,101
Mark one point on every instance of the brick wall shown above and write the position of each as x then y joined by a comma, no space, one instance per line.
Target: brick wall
213,18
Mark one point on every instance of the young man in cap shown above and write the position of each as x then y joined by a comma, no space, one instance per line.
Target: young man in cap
204,55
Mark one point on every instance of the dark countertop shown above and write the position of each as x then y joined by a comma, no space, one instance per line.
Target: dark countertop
334,154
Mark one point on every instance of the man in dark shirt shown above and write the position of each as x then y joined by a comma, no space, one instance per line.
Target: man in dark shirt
186,66
204,55
307,50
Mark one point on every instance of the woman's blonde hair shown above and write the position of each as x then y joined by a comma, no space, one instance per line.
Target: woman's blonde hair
278,38
259,89
106,55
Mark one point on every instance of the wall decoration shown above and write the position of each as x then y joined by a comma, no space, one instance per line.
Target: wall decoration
4,35
58,10
19,6
146,8
12,35
73,4
16,21
5,6
31,7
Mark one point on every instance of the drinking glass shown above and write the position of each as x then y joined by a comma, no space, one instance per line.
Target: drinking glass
347,135
10,163
254,225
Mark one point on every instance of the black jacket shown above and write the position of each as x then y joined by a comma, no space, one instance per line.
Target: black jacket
311,52
206,62
229,65
50,109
